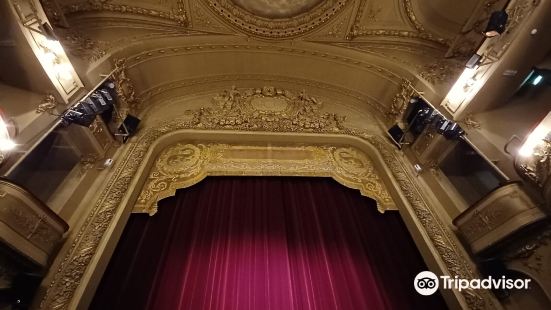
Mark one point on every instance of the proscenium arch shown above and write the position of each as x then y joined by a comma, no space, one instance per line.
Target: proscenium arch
74,283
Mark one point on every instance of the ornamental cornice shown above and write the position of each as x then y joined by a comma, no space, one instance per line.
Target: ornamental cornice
276,28
142,56
177,14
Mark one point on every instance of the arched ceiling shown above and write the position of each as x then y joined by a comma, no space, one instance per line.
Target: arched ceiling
363,48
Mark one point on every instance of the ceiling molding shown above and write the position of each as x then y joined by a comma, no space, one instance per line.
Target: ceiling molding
206,83
176,15
359,30
276,28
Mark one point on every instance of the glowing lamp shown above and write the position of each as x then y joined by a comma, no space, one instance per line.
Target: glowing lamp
537,137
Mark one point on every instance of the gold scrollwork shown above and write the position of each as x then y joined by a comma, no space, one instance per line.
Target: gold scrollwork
183,165
400,100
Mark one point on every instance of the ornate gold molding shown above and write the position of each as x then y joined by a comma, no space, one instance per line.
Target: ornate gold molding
48,104
441,71
358,30
127,99
183,165
81,46
470,122
411,15
72,268
276,28
23,215
401,100
267,109
177,14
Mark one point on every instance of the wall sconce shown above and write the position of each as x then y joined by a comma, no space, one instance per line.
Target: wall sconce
537,138
532,160
47,48
462,87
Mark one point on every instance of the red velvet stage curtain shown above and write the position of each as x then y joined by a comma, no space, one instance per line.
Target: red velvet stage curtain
245,243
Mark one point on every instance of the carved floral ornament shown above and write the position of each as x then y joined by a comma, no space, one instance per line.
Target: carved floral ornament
286,113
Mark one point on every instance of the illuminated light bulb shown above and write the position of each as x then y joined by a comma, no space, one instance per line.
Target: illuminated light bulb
49,57
536,137
6,144
459,91
63,71
54,46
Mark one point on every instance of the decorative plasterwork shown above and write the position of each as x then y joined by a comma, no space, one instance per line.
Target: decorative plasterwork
276,28
441,71
183,165
48,104
470,122
401,100
274,9
126,94
266,109
359,30
411,15
177,14
69,274
81,46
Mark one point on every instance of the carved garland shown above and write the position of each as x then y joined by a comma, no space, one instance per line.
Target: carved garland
71,270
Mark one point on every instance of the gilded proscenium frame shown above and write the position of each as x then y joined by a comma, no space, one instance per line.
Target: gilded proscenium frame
184,164
72,275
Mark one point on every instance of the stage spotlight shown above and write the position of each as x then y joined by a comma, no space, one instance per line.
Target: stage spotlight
473,62
496,24
48,31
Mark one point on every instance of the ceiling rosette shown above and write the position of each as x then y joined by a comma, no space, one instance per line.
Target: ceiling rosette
276,19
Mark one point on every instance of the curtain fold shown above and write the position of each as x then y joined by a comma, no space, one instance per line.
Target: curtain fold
265,243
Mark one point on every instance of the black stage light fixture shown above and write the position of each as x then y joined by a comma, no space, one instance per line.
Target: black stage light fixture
496,24
454,131
47,31
473,62
128,127
396,134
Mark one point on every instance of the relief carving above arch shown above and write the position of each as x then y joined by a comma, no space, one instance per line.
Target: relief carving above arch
184,164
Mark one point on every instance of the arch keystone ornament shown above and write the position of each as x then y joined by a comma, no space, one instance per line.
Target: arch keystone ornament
182,165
